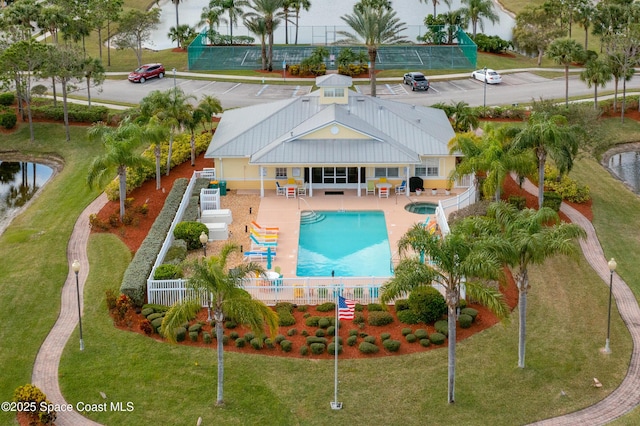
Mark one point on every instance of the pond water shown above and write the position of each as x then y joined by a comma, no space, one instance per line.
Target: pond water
626,166
319,24
19,181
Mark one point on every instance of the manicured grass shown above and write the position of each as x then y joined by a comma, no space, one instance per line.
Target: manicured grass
175,385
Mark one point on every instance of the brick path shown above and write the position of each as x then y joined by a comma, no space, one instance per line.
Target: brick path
624,399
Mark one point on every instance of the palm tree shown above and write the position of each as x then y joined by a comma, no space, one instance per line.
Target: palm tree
268,11
257,25
210,106
234,9
476,10
177,3
373,27
565,52
548,135
597,73
155,133
453,261
527,237
212,16
436,2
211,276
297,6
585,15
121,151
463,118
181,34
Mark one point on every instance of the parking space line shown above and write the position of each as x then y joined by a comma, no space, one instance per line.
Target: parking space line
434,89
231,88
456,86
262,90
391,91
295,92
206,86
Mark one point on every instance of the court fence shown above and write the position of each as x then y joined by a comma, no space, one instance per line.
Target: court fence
205,57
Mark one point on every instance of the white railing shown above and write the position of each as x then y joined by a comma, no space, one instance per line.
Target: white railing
453,204
302,291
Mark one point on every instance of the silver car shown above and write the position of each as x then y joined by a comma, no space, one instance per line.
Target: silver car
416,80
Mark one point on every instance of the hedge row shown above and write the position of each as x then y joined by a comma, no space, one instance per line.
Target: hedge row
77,113
134,282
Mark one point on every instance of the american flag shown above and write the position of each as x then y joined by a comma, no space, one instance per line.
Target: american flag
346,308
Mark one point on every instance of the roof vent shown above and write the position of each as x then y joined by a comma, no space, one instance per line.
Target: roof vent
360,99
419,120
413,107
305,99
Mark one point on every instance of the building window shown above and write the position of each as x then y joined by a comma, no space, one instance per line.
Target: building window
388,172
281,172
334,92
430,167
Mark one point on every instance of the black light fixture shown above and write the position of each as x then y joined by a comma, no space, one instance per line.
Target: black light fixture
75,267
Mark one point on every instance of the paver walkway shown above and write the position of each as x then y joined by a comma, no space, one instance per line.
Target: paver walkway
624,399
45,369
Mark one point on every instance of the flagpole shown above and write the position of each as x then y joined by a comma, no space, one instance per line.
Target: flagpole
335,405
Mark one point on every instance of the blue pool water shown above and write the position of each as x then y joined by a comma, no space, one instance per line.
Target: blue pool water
352,244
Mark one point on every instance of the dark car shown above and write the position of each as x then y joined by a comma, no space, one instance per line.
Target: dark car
145,72
416,80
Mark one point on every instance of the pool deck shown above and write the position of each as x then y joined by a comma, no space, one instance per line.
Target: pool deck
285,213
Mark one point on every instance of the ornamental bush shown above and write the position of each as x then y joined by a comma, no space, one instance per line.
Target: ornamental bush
406,330
353,332
181,334
552,200
286,345
230,324
421,333
471,312
156,324
442,327
370,339
240,343
249,336
402,305
195,327
234,335
425,342
385,336
279,338
391,345
368,348
292,332
304,350
437,338
193,336
375,307
283,306
352,340
256,343
190,232
324,322
153,316
206,337
312,321
147,311
331,330
7,98
167,272
326,307
380,318
320,333
317,348
285,318
8,119
465,320
35,398
331,349
408,317
427,303
358,318
411,338
314,339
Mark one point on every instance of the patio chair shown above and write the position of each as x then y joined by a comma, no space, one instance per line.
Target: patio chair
280,190
371,187
383,192
302,188
402,187
291,191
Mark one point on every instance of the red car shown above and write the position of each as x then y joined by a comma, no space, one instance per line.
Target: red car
145,72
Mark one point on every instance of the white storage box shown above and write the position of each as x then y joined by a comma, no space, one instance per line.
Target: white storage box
216,216
218,231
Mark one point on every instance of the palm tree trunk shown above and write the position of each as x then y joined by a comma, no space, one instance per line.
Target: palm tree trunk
297,23
523,284
156,152
170,152
219,337
596,96
541,162
451,374
373,53
122,175
566,86
193,149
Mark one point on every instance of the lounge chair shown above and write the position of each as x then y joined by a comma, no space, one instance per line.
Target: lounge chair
371,187
402,187
265,229
264,237
261,243
258,256
280,190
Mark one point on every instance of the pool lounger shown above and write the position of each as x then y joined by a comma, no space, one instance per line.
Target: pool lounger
265,229
259,256
216,216
218,231
262,243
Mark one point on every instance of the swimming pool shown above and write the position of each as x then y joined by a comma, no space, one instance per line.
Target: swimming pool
352,244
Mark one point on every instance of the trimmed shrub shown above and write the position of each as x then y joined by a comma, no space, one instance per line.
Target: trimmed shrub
352,340
324,322
517,200
181,334
240,343
462,304
406,331
326,307
425,342
176,253
317,348
304,350
353,332
391,345
234,335
249,336
465,320
146,327
408,317
292,332
230,324
385,336
305,333
380,318
331,330
37,400
411,338
156,324
76,113
156,307
7,98
206,337
283,305
427,303
256,343
375,307
315,339
8,119
285,318
225,340
196,327
286,345
370,339
421,333
552,200
154,316
358,307
167,272
279,338
303,308
358,318
190,232
402,305
442,327
193,336
320,333
470,311
147,311
368,348
437,338
333,339
312,321
331,349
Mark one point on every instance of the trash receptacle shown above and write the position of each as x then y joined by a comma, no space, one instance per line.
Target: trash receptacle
213,184
223,187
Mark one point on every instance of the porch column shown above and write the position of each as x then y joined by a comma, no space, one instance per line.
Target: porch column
310,182
359,183
261,171
407,190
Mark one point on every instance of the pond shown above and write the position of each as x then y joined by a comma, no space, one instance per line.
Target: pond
19,182
319,24
626,165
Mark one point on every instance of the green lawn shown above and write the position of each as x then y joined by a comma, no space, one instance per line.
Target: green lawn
175,385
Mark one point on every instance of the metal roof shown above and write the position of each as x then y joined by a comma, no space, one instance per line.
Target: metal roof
283,132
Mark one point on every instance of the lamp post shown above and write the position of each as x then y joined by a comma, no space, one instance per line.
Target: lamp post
484,98
612,268
75,266
203,240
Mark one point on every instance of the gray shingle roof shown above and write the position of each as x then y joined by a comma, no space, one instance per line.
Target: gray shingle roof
276,133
